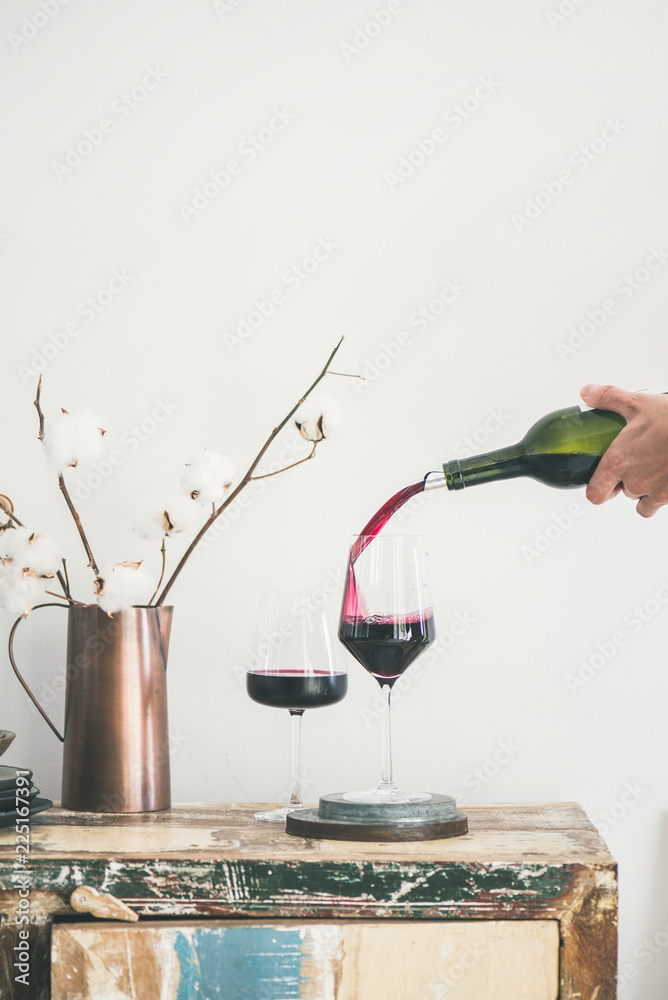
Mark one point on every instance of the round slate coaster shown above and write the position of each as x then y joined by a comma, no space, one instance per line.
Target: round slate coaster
433,807
338,819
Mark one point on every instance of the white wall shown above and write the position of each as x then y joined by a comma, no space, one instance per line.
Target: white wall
553,82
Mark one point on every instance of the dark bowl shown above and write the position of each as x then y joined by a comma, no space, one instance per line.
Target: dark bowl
6,739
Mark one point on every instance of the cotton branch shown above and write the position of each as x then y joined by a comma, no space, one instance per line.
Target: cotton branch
37,406
163,553
68,500
247,478
285,468
82,534
79,604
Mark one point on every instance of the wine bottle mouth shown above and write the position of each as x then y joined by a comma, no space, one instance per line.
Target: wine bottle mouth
434,479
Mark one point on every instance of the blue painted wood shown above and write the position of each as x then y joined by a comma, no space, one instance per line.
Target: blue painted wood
240,963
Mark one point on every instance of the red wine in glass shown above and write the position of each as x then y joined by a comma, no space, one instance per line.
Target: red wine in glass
296,691
386,646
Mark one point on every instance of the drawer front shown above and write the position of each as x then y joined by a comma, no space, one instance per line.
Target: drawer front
285,960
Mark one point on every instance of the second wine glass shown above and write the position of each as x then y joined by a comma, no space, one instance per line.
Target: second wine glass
386,621
293,666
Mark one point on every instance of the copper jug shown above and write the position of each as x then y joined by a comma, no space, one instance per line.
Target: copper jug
116,741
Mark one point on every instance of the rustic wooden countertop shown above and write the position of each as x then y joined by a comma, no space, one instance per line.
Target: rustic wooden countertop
534,833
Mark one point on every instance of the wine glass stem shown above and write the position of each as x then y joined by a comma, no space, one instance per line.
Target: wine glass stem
386,773
296,783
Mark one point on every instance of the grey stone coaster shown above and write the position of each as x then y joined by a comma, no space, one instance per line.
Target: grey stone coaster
337,819
433,809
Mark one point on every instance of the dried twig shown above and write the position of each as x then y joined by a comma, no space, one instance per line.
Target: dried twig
162,571
246,479
82,534
68,500
37,406
11,516
286,467
71,600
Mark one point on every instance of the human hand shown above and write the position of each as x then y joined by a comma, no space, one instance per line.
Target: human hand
637,460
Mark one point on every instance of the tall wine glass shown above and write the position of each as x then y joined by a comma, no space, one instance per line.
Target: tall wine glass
293,666
386,622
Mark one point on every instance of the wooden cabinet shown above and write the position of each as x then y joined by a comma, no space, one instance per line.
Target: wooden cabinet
522,908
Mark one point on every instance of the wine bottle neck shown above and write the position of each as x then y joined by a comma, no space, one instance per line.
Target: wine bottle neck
506,463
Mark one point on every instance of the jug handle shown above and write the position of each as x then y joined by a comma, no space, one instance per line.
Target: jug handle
51,604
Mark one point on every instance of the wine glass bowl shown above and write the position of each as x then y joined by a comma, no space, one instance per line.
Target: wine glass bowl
294,667
386,622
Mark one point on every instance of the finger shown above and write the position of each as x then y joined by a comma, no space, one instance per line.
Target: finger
606,481
610,397
647,507
631,496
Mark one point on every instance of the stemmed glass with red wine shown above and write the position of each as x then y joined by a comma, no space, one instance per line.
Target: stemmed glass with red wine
386,622
293,666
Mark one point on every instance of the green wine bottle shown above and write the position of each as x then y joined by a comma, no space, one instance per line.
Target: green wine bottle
562,449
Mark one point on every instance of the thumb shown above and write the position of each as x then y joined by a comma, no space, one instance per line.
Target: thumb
609,397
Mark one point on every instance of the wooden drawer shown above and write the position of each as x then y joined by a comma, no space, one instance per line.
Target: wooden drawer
309,960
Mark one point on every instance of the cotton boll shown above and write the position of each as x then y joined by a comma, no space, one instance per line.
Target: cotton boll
319,417
159,517
28,550
19,590
71,439
125,585
43,556
14,544
208,478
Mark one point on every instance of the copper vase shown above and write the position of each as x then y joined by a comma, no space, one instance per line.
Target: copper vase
116,740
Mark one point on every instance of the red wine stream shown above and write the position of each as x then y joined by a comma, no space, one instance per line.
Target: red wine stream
353,606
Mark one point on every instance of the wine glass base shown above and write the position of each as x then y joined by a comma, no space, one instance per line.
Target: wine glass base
275,815
382,796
